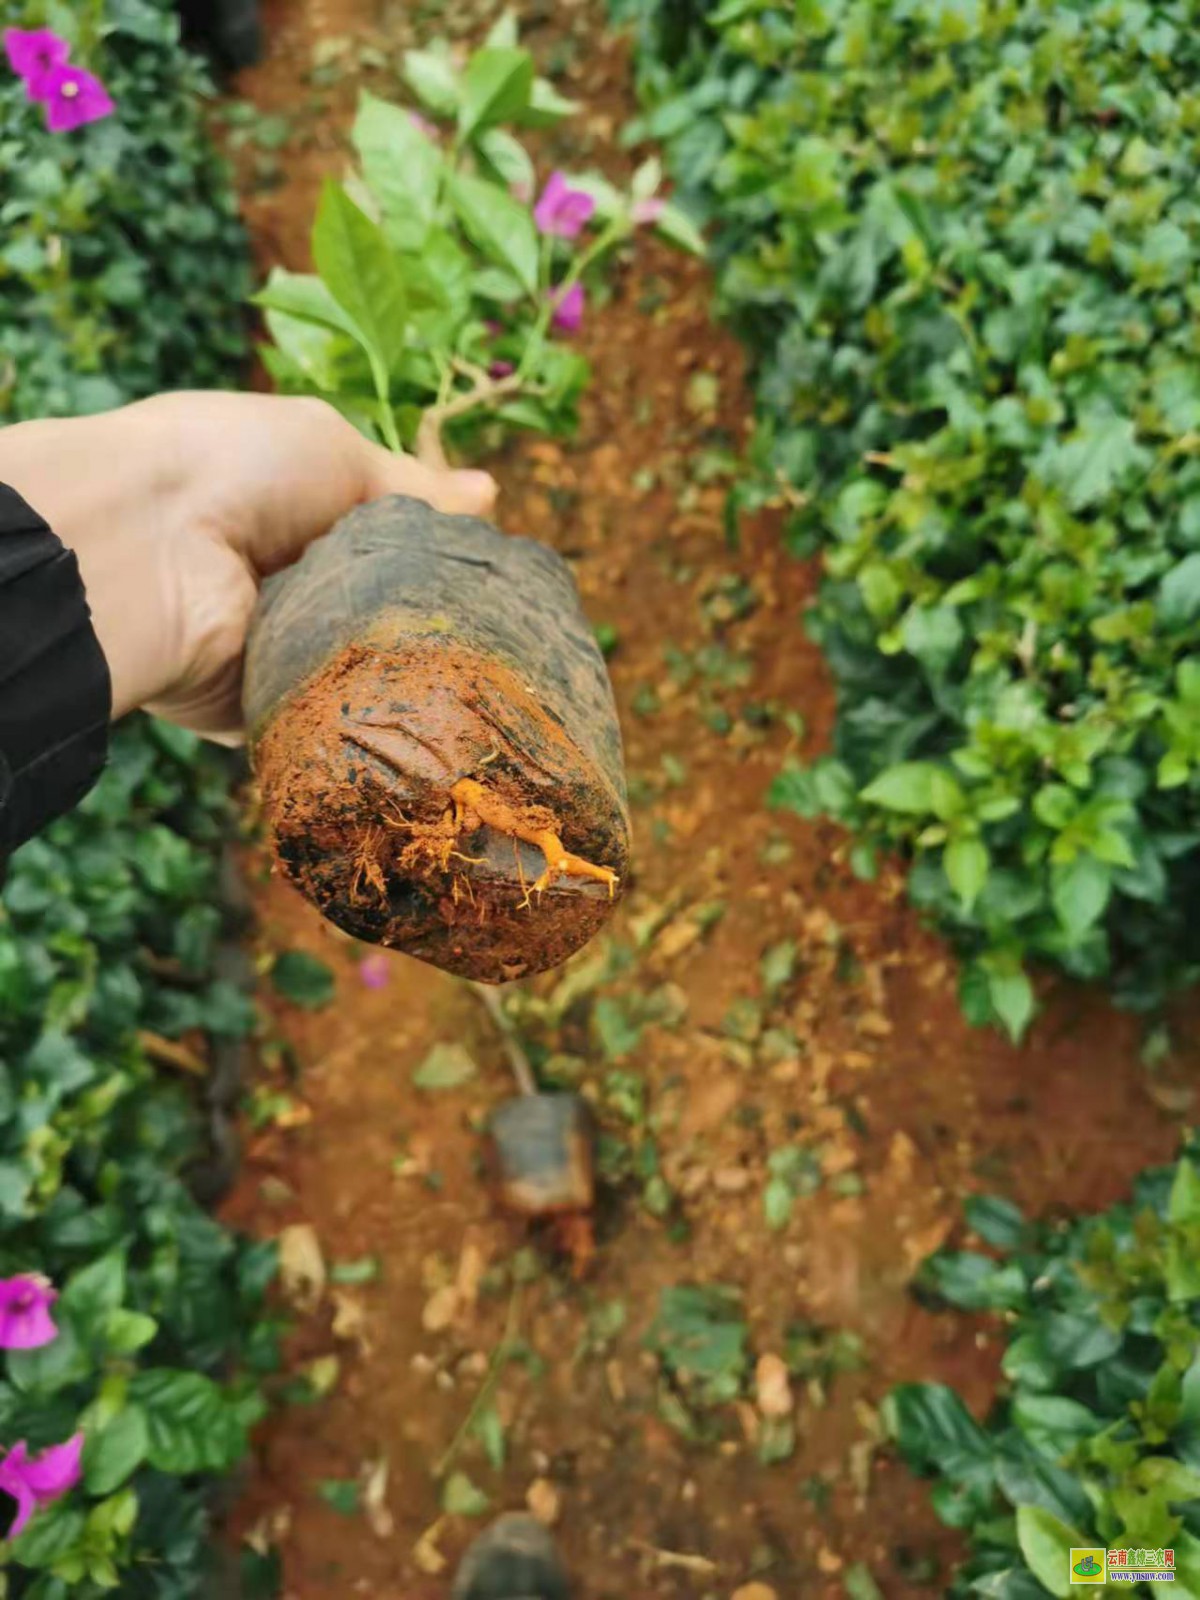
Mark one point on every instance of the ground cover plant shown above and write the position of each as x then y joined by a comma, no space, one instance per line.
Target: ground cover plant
122,262
963,249
132,1323
450,277
1095,1438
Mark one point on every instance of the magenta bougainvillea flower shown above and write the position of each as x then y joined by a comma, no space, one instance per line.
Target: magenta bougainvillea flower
25,1320
72,98
648,210
501,369
568,309
37,1481
375,970
562,211
32,53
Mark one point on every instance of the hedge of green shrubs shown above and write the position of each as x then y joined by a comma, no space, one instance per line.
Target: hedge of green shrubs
963,242
109,927
122,271
1095,1437
123,265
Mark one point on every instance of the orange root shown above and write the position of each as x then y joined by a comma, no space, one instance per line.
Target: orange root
534,825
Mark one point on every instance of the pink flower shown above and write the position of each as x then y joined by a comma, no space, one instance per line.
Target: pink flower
648,210
568,309
501,369
72,98
562,211
32,54
25,1321
423,125
34,1483
375,970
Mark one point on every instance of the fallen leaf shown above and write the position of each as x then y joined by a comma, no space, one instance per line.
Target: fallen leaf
461,1498
447,1066
301,1266
374,1499
773,1387
426,1553
544,1501
440,1309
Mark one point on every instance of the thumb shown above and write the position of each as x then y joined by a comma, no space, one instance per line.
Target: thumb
462,493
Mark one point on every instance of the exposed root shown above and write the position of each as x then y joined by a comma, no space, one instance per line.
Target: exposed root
474,804
367,870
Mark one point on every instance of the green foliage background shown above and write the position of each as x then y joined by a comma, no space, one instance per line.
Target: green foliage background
123,271
123,265
961,238
1095,1437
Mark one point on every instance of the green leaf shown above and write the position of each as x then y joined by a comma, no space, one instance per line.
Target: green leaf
933,1429
496,87
126,1332
1046,1543
53,1367
489,1430
431,75
1011,995
95,1289
51,1535
460,1497
675,224
508,159
997,1221
966,862
403,169
1080,890
1183,1206
342,1494
1089,465
859,1583
359,268
1052,1423
447,1066
1179,593
114,1453
906,788
302,979
501,227
191,1427
778,965
546,106
302,295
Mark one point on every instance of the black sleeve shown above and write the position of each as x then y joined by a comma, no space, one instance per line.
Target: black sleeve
55,693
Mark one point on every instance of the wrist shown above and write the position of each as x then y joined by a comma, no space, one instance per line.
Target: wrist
104,493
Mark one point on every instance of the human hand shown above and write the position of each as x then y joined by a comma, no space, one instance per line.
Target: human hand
177,507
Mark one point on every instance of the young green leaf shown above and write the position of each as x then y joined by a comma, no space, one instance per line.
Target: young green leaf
1080,890
907,788
495,88
403,169
447,1066
546,107
1011,995
508,159
966,863
432,77
501,227
461,1498
1046,1543
359,268
116,1451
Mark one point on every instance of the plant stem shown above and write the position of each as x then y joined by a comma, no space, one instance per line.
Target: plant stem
617,229
485,393
513,1048
487,1388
